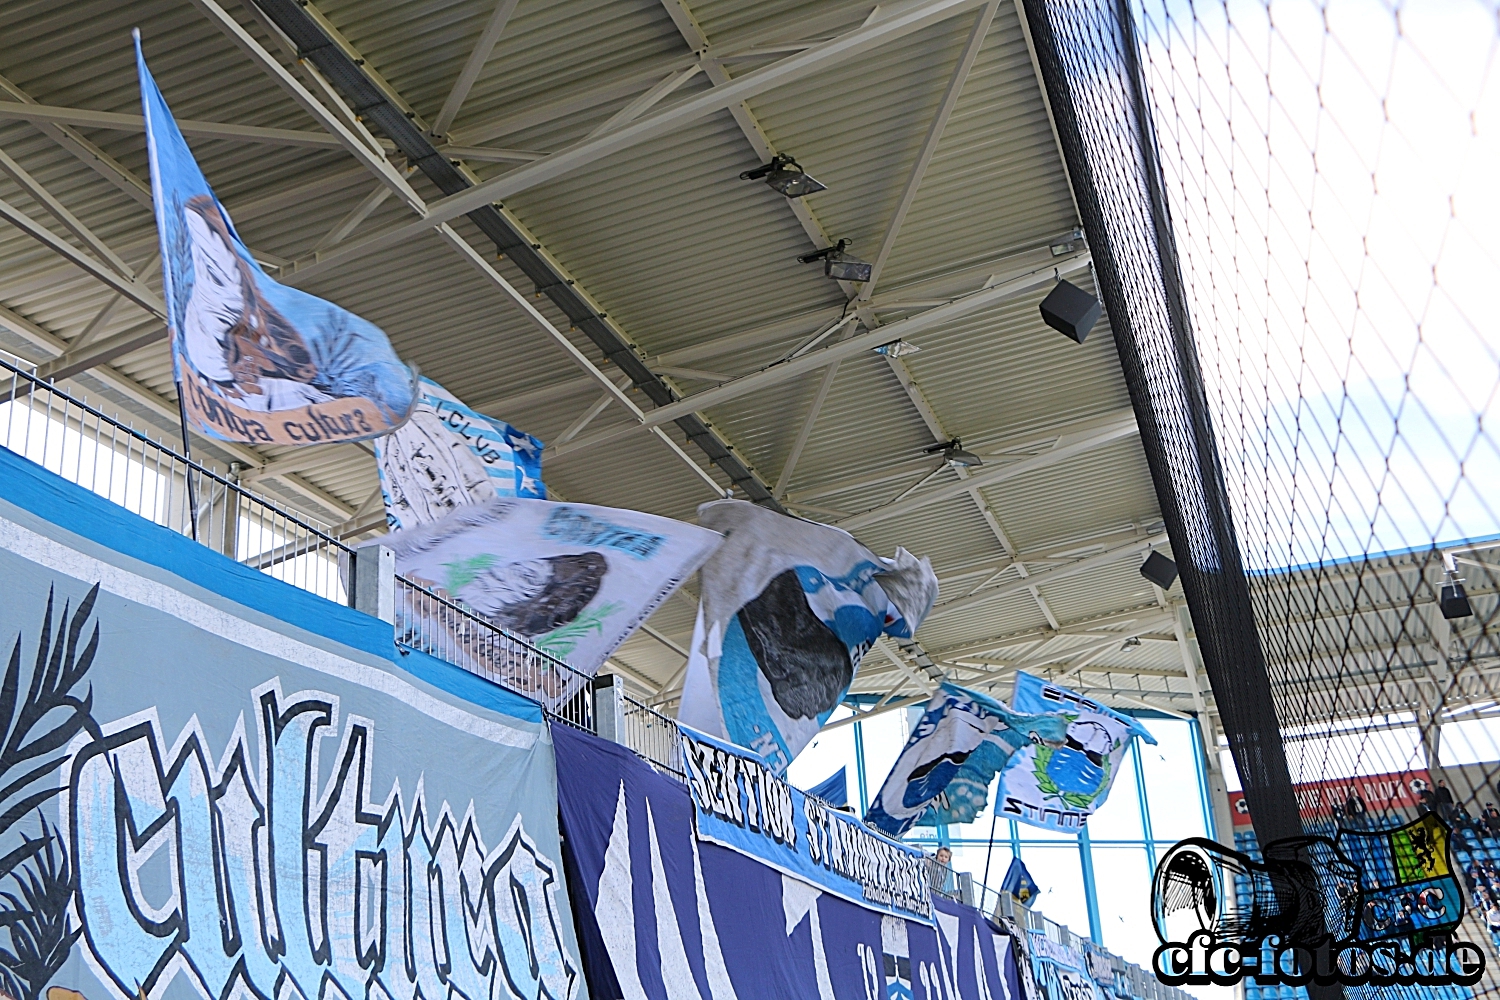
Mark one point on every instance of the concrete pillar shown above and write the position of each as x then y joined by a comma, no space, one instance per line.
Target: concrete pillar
375,582
609,707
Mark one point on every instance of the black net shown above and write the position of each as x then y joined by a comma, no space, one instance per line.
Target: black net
1290,207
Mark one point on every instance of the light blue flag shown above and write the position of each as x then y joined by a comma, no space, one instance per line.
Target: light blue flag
954,752
257,362
1059,787
787,610
449,456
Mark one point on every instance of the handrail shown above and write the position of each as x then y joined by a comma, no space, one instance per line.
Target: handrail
110,457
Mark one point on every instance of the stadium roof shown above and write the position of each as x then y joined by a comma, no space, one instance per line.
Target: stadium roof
610,135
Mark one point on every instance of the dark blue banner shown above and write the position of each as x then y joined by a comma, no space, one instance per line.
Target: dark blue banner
665,916
740,803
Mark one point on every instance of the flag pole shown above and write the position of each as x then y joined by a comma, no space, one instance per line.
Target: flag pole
187,453
990,850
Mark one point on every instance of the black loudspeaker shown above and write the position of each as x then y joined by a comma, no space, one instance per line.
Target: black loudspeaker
1454,601
1159,570
1071,311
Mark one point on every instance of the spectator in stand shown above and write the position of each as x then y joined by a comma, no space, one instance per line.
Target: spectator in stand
1354,809
1492,819
1444,801
1492,920
1428,798
940,871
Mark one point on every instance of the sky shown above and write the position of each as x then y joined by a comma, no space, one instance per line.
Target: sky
1330,169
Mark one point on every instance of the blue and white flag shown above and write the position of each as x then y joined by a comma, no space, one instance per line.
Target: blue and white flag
448,456
571,579
1059,787
255,361
1018,883
953,754
788,608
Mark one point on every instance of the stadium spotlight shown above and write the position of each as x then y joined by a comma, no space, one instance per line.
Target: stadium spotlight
1070,311
1159,570
897,349
1130,643
954,454
785,176
837,264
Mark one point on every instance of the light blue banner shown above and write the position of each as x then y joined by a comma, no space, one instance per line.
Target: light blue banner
257,361
201,799
740,803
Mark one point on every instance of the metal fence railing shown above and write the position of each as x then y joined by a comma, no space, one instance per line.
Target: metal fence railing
654,736
107,456
435,624
1119,977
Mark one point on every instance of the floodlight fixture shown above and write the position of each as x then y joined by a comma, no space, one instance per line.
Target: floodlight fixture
785,176
897,349
837,264
1130,643
954,454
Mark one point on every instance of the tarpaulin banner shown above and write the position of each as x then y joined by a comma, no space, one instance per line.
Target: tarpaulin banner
256,361
1025,986
1060,971
1350,799
741,804
448,456
574,580
256,802
1058,788
955,750
666,916
788,609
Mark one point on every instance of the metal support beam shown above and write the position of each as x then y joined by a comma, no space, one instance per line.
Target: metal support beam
867,341
352,77
1047,576
95,158
125,283
49,114
1062,451
930,142
60,212
836,51
650,99
574,103
478,56
358,146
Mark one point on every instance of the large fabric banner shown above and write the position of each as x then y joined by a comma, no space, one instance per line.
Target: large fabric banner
1059,787
448,456
1060,971
572,579
788,609
246,798
739,803
666,916
954,752
257,361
